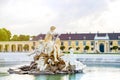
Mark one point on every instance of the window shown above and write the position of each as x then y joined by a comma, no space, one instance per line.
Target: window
92,43
84,43
69,43
77,43
118,42
119,37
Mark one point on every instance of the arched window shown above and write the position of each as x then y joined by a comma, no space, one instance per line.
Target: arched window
77,43
6,49
69,43
26,47
84,43
101,47
13,48
119,43
20,48
92,43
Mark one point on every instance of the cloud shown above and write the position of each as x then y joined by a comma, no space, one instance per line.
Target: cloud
36,16
102,21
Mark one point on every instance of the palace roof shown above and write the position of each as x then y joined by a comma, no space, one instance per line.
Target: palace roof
82,36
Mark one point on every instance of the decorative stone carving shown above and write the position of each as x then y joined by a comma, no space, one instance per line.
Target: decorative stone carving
48,58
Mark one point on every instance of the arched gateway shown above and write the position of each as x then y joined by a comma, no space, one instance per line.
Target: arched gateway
101,47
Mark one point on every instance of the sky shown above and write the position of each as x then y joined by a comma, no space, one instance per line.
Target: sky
33,17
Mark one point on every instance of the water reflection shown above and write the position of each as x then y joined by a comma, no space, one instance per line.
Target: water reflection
49,77
17,77
101,76
59,77
92,72
75,76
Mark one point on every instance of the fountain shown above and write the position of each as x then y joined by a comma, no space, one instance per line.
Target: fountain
47,59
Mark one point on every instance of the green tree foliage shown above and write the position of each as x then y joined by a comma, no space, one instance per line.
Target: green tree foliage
20,38
33,37
69,48
14,38
86,48
77,48
8,33
62,47
23,38
5,34
115,48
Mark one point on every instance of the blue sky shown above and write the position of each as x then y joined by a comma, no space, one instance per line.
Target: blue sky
82,16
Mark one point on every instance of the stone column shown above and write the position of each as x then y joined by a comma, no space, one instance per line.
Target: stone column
107,46
9,48
96,46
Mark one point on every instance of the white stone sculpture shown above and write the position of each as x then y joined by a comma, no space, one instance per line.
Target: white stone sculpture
48,58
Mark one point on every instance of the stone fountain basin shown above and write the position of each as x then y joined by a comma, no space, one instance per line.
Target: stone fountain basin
17,71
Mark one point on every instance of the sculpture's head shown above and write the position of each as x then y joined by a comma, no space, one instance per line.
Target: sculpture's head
52,28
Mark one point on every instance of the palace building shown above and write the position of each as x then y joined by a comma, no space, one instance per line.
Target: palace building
80,42
97,42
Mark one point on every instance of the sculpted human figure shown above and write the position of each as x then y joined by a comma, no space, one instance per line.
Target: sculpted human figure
39,49
50,35
57,51
48,41
52,45
48,58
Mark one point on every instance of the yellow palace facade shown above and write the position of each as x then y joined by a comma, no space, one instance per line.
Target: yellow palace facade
17,46
96,43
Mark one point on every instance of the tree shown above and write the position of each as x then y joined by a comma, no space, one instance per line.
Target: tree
27,38
5,34
62,47
77,48
69,48
20,38
8,33
115,48
86,48
23,38
2,35
14,38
